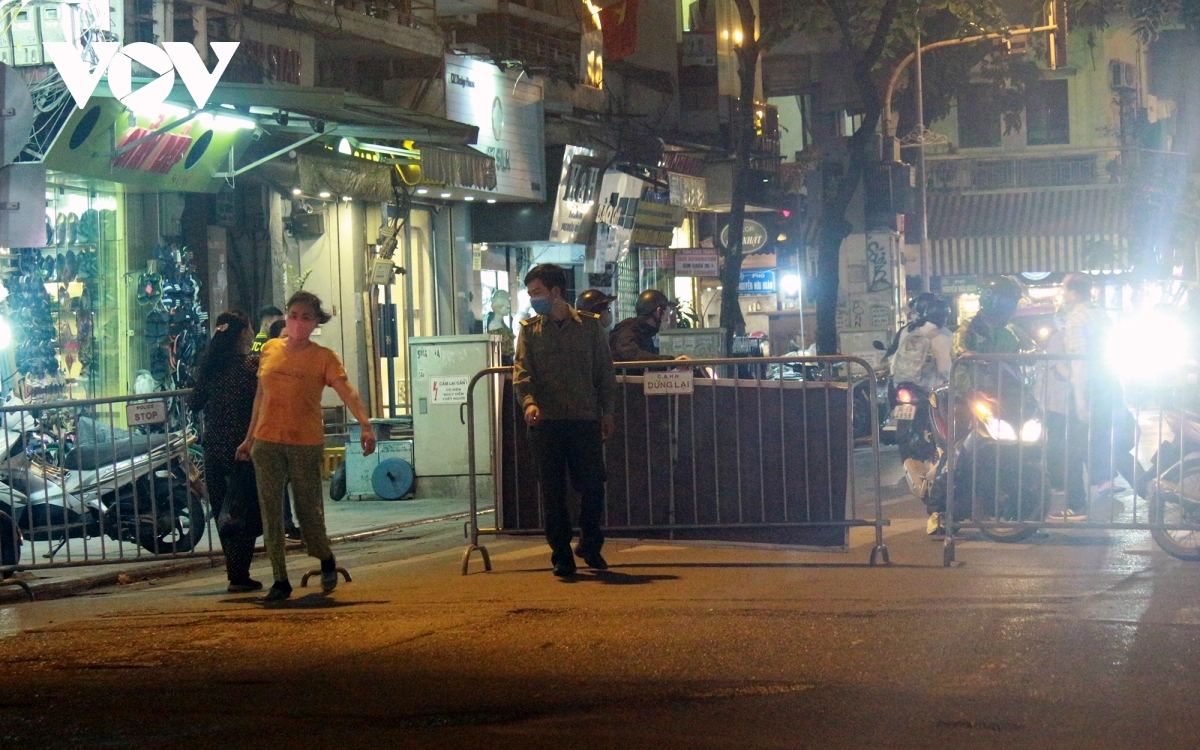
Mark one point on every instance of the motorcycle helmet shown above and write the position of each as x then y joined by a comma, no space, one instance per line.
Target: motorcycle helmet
916,303
650,300
999,297
935,310
593,301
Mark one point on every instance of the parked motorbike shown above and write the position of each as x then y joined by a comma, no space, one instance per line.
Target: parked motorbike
145,493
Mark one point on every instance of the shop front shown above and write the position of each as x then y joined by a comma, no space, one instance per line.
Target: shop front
108,302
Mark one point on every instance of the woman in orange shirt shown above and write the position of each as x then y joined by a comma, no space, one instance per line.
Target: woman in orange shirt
286,438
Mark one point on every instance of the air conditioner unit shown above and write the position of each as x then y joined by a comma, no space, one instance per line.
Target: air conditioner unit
1122,75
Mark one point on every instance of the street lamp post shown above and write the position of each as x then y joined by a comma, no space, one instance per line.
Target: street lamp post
921,140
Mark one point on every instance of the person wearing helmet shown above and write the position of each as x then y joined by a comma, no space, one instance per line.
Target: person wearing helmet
596,303
914,305
633,339
923,347
990,330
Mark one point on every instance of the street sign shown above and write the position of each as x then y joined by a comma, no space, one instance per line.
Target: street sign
959,285
757,282
700,262
669,383
146,412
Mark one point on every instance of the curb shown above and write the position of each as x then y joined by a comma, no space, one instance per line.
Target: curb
11,593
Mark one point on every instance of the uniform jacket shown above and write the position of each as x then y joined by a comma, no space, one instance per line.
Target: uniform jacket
564,369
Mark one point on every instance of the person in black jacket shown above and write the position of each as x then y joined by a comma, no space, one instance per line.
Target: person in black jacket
224,391
632,340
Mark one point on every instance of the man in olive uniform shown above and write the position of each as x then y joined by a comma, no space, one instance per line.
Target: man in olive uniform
563,377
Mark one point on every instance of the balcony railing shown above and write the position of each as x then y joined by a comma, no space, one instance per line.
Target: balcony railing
1001,174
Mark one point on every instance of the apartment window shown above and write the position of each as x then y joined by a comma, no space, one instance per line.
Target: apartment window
1047,116
978,120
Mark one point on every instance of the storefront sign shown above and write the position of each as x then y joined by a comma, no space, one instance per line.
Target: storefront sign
959,285
658,260
150,412
619,194
507,109
578,191
655,223
670,383
117,61
757,282
451,390
754,236
700,262
109,142
687,191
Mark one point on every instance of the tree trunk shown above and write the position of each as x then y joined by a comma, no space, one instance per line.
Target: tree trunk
742,133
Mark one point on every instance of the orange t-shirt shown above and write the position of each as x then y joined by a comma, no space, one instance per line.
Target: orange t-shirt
291,383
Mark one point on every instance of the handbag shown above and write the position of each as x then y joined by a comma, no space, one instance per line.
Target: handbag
241,515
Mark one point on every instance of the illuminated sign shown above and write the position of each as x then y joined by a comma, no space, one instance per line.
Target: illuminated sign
578,190
754,236
117,62
507,109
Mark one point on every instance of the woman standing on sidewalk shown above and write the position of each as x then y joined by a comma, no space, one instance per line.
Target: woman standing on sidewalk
286,436
225,390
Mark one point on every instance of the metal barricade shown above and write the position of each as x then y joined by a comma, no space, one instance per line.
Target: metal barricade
101,480
754,449
1057,441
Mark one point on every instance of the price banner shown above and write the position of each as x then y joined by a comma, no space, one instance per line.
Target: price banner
670,383
146,412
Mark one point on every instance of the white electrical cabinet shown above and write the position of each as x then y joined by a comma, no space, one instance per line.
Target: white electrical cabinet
442,366
27,42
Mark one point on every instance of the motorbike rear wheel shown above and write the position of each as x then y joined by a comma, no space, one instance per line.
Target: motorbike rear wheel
1180,508
185,533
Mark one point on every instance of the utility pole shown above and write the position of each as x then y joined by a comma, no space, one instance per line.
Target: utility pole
922,188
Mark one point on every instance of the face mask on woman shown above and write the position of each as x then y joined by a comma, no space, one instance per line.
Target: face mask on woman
300,329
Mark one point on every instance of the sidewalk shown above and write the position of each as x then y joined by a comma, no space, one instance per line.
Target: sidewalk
344,521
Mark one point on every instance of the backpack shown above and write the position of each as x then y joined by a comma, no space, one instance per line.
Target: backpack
910,357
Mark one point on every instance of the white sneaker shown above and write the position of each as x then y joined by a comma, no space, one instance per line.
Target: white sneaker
1067,515
934,524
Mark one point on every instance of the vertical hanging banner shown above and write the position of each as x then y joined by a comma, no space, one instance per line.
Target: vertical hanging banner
619,194
619,23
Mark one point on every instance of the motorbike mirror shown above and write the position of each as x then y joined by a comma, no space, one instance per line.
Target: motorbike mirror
879,345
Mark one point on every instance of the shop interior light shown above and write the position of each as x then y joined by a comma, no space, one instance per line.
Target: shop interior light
324,194
225,122
347,198
5,334
295,191
468,197
790,285
491,200
422,191
445,195
344,147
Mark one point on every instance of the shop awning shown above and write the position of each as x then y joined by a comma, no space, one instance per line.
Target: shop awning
1046,229
161,155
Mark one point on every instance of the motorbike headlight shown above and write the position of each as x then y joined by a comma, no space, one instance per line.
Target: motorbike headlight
999,430
1031,431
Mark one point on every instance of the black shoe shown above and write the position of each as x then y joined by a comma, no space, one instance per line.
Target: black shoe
329,575
293,533
244,585
280,590
592,559
564,568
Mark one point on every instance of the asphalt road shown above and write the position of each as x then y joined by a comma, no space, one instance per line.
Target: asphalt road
1080,639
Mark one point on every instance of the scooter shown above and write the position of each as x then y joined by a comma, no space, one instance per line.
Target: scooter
152,498
997,465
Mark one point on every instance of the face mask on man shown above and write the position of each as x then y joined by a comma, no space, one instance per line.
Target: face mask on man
606,319
541,305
